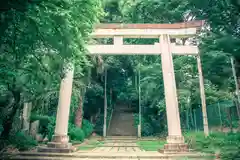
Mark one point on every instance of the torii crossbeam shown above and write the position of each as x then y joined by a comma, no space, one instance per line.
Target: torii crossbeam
120,31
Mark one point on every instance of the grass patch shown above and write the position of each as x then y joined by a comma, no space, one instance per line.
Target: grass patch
75,142
95,143
151,145
90,145
84,148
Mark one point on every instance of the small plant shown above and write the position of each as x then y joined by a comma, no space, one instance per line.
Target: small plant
87,127
227,146
51,127
147,129
43,123
151,145
76,134
22,141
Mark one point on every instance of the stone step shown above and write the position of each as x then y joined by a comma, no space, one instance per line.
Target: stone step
120,145
121,138
53,150
120,141
109,155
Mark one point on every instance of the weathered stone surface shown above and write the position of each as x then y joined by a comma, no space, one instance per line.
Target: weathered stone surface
39,137
59,145
34,129
60,138
174,148
25,116
54,150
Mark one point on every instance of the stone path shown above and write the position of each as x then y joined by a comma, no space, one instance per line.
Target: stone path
125,149
118,149
118,146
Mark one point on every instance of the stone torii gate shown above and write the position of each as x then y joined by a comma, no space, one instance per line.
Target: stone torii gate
175,140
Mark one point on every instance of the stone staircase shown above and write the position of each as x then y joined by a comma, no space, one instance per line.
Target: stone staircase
122,123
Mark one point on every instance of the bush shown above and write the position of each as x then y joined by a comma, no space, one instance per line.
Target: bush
147,129
87,127
22,141
76,134
43,119
227,144
43,123
51,127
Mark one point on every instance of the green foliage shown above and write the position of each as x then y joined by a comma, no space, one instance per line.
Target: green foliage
87,127
51,127
93,99
155,145
217,40
223,34
22,141
99,123
91,144
37,39
76,133
147,128
228,144
43,123
42,119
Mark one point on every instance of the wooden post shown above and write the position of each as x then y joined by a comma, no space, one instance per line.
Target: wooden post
105,105
26,115
236,85
203,99
140,108
195,120
187,120
220,116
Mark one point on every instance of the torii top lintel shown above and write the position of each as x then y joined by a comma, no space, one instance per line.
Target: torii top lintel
185,29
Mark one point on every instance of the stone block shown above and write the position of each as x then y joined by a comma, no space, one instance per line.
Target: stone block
172,148
59,144
54,150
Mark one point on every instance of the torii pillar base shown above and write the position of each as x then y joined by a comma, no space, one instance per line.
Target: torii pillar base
59,144
175,145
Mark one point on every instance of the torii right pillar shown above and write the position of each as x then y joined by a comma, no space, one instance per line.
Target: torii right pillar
175,140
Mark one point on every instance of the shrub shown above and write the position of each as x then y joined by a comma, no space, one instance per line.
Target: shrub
51,127
22,141
43,123
43,119
147,129
227,144
76,133
87,127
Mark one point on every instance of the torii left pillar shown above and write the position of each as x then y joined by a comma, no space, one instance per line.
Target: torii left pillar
175,140
60,141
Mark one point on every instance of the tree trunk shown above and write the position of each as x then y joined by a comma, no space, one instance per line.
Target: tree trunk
230,119
8,121
78,115
79,111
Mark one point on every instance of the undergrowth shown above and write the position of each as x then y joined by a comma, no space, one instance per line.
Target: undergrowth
225,144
